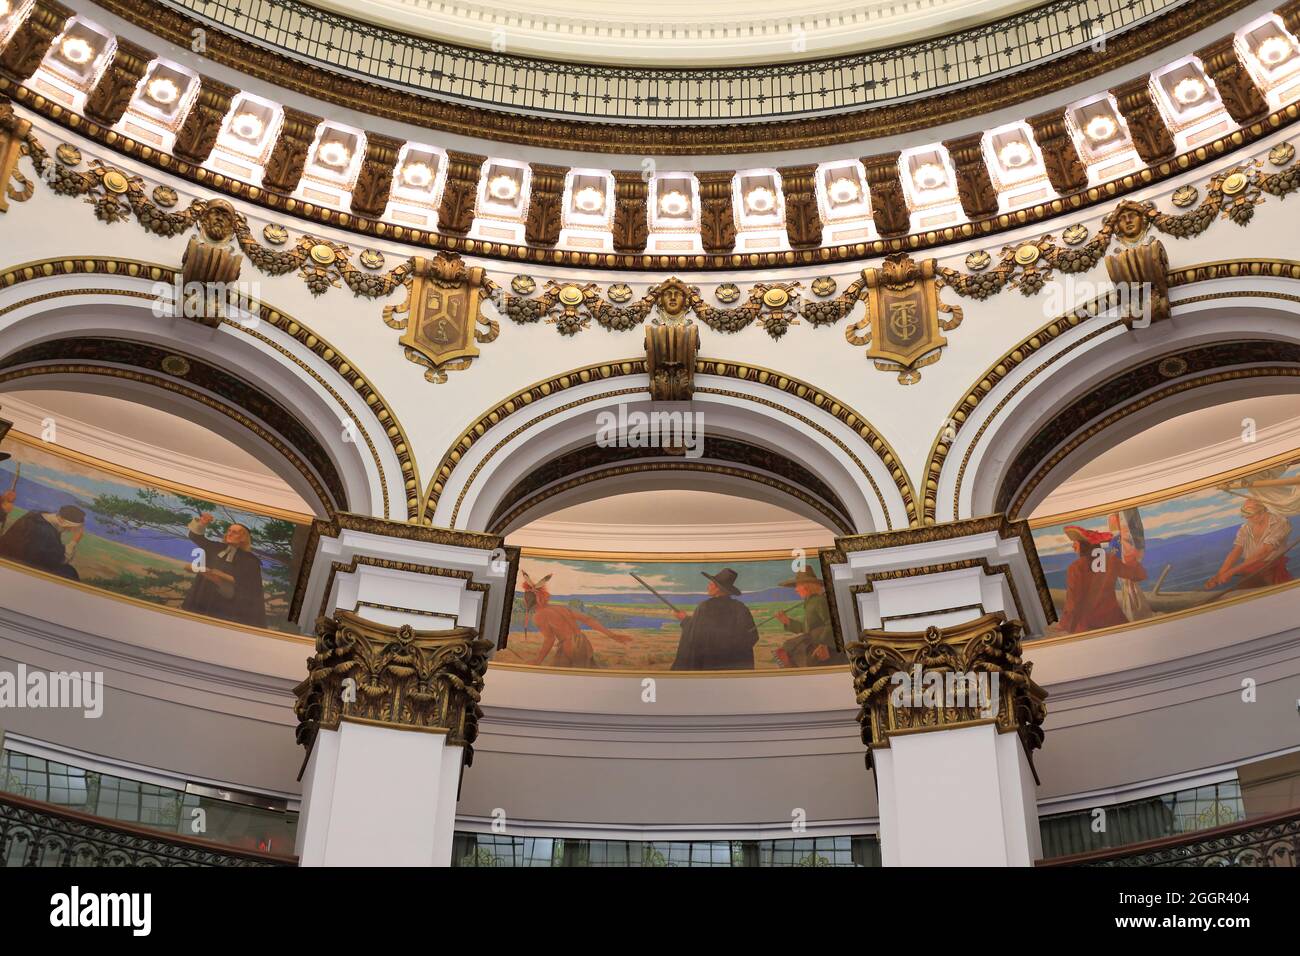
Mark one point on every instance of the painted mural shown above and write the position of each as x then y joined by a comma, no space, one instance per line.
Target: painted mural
86,521
681,614
1216,542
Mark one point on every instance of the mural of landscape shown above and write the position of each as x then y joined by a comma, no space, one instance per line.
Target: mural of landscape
1217,542
592,612
69,517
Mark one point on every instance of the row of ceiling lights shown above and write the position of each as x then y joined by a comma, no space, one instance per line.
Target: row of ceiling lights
1096,121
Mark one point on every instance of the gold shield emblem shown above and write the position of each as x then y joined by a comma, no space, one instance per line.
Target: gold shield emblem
903,326
442,314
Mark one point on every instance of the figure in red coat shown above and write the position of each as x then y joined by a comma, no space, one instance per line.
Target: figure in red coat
1090,582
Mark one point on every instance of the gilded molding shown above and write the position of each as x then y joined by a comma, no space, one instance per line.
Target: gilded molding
442,317
665,139
989,647
112,94
631,224
365,390
198,134
31,41
1241,98
545,204
793,387
14,131
974,185
670,350
1065,171
375,180
396,676
288,159
1151,137
888,207
207,264
803,223
460,192
717,211
888,204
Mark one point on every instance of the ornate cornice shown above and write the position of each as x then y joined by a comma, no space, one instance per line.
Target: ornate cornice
198,134
885,662
974,186
803,223
1150,136
375,180
31,41
394,676
284,167
545,204
630,226
1065,171
112,94
1241,98
665,139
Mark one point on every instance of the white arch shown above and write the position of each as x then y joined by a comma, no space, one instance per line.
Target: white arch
758,414
121,307
1060,373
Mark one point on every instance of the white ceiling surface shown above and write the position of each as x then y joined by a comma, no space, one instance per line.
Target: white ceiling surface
677,32
664,521
1183,449
147,440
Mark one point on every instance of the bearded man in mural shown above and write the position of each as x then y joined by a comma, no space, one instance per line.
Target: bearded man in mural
720,634
229,584
36,540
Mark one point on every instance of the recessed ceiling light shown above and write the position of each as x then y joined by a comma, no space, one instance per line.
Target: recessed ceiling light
503,188
673,203
248,126
1189,90
417,175
760,199
589,199
1015,154
5,9
844,189
1101,128
1273,50
929,176
163,91
77,50
334,154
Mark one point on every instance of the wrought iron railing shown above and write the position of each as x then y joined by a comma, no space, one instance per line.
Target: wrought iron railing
607,93
1262,841
33,833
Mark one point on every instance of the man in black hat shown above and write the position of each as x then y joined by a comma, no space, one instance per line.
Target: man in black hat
36,539
721,634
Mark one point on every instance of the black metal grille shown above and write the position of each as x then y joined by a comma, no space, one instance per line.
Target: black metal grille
32,834
520,84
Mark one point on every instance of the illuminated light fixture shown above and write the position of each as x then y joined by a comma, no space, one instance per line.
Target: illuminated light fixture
760,199
1101,128
334,154
1273,50
77,50
1189,91
247,126
929,176
1015,154
503,188
417,175
5,9
673,203
844,190
589,199
163,91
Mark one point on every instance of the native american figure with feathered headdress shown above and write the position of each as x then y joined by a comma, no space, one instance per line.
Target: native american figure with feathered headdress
561,626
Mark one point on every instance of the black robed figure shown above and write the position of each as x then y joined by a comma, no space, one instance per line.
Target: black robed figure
230,584
721,634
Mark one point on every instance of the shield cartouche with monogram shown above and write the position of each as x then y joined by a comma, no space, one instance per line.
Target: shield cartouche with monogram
903,326
442,315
